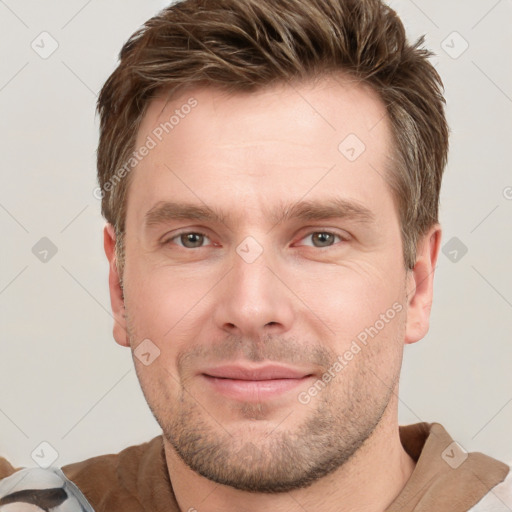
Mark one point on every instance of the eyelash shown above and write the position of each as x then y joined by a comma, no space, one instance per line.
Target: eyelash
177,236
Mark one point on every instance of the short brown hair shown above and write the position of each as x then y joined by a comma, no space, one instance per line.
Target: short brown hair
243,45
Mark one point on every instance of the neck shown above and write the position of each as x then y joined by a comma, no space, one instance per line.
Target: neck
368,482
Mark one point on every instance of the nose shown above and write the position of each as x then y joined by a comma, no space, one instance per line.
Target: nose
253,299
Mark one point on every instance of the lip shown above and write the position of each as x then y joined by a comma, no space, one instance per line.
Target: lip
254,373
254,383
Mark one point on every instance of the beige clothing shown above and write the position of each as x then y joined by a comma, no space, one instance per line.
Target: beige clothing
445,479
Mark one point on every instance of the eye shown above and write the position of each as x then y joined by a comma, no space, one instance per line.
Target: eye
188,240
322,239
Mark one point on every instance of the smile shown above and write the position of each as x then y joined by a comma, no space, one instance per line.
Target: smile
254,384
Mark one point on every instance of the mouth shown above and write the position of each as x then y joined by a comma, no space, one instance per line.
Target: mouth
254,383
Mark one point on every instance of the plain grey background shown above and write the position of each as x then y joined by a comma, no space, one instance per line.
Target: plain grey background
65,382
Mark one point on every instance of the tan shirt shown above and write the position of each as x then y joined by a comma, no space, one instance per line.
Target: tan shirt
445,479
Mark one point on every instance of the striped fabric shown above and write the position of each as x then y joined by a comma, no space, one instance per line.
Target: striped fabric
37,489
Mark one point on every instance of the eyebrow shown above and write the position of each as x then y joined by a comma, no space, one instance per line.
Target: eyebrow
331,208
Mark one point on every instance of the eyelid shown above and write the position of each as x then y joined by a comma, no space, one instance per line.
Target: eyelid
343,237
167,239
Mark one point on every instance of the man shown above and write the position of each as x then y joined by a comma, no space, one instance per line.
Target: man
270,174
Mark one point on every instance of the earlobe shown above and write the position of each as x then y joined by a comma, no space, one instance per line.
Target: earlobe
420,285
116,292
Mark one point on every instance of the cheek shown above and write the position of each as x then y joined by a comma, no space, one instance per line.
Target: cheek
160,387
350,298
162,300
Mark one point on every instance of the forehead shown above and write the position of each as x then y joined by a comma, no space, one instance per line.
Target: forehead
337,103
284,140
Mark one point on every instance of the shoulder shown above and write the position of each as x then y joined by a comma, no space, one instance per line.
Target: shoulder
6,469
121,481
104,482
498,499
106,469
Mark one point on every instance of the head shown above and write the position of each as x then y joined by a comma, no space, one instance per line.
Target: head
270,173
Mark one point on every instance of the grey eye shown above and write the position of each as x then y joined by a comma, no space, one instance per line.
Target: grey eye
191,240
322,238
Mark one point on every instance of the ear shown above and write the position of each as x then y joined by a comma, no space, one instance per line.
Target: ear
420,285
116,292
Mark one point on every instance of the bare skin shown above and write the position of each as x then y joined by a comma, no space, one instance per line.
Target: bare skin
248,328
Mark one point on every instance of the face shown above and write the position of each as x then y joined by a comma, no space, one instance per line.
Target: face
264,268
